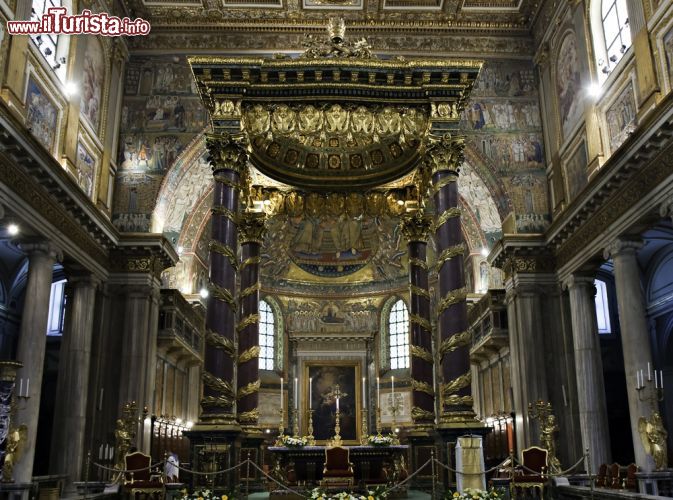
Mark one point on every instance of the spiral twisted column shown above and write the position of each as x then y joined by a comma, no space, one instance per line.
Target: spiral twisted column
445,156
416,228
228,158
251,232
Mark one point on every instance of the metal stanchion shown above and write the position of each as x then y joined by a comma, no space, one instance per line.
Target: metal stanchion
434,479
591,479
247,476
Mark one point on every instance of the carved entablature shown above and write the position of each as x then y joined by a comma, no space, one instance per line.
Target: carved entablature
316,122
516,254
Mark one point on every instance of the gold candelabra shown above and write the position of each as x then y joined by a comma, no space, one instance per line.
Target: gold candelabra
281,429
310,440
364,438
337,429
295,427
394,408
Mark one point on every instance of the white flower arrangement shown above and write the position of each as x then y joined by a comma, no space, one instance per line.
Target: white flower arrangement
379,440
318,494
472,494
293,442
204,494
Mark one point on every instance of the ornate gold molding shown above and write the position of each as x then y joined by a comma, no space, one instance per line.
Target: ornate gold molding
416,290
251,388
452,297
250,319
420,352
222,249
454,342
251,228
417,385
218,341
252,289
415,319
413,261
420,414
457,384
249,354
249,417
218,385
448,254
445,153
223,295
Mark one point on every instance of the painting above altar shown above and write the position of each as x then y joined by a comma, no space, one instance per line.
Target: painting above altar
324,381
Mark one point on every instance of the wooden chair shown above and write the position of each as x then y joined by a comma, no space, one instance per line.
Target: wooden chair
602,476
338,470
532,474
140,480
615,477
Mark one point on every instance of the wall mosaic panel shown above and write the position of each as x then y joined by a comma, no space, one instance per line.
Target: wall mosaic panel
621,117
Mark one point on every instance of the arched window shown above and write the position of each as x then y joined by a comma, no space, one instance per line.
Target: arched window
52,47
612,35
267,335
398,335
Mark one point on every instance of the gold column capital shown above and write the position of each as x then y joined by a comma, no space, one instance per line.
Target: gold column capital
416,226
251,227
227,151
445,153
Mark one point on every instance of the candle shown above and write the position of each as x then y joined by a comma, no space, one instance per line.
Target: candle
656,381
337,404
27,388
20,387
100,452
661,375
296,394
310,393
378,391
363,394
649,374
281,394
392,380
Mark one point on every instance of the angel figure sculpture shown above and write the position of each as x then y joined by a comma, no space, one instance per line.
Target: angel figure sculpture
15,440
653,435
548,430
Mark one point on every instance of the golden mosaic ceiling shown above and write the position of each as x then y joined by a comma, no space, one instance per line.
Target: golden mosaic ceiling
366,16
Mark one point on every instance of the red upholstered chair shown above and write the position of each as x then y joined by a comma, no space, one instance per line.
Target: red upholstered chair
615,477
631,483
140,480
602,476
532,474
338,470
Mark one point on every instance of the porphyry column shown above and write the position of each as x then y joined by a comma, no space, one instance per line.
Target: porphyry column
228,158
445,156
251,231
416,228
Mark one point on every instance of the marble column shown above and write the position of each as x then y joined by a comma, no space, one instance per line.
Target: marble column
251,231
416,228
67,450
445,156
635,337
32,345
589,370
228,158
527,350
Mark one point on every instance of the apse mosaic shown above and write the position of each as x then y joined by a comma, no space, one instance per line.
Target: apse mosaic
161,115
505,147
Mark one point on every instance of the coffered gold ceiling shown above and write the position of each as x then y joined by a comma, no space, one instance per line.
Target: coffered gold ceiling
505,17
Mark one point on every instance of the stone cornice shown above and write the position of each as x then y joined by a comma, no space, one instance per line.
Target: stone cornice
143,253
519,253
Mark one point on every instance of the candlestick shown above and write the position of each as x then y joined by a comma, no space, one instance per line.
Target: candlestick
337,429
281,430
649,374
310,440
295,428
281,394
364,438
661,375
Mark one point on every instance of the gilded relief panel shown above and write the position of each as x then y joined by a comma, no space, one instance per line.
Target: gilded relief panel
621,117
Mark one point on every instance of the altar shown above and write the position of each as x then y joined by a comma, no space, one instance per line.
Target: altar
372,465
